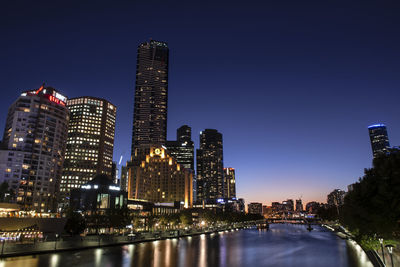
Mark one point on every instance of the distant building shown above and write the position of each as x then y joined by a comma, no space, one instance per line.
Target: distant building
151,95
229,183
379,139
254,208
90,142
278,207
123,181
336,197
210,172
33,148
299,205
288,204
267,211
159,178
312,207
114,172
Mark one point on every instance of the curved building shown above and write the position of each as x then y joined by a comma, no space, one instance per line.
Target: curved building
34,142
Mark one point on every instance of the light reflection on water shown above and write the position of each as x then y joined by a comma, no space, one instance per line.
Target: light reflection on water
283,245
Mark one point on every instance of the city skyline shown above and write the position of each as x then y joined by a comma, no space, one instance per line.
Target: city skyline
307,148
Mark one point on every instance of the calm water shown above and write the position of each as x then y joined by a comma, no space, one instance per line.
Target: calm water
282,245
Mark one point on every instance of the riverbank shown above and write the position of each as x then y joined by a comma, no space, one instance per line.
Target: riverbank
98,241
343,233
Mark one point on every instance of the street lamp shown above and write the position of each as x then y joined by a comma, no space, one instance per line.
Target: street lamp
390,249
383,251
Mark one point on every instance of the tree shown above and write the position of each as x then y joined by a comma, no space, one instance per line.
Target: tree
75,224
373,206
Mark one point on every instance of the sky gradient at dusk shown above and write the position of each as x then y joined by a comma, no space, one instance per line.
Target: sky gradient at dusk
291,85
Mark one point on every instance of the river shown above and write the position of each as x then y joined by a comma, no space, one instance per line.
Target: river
282,245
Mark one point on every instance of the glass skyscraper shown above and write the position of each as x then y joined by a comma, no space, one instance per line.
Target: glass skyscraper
210,167
379,139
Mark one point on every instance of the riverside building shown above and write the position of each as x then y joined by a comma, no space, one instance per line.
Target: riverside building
210,170
33,148
90,142
229,183
151,95
160,178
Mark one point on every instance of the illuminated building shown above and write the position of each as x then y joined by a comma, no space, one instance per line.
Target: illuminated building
34,143
288,205
379,139
159,178
299,205
254,208
312,207
210,170
151,95
183,151
336,197
229,183
123,181
90,142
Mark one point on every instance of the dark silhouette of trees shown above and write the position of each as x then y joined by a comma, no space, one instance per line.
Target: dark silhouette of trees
75,224
373,206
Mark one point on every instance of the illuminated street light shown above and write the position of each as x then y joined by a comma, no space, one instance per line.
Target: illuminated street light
390,249
383,251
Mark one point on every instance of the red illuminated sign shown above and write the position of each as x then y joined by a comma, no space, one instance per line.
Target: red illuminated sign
55,100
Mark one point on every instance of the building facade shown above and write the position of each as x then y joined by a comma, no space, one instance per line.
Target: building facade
255,208
151,95
210,170
336,197
90,142
299,205
229,183
34,144
123,180
159,178
183,151
379,139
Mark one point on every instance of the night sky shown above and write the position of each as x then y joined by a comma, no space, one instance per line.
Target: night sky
291,85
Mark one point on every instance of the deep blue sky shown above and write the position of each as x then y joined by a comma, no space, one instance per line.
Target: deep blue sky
292,85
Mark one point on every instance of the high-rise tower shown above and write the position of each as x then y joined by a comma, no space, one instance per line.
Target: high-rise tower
229,183
34,142
379,139
210,170
90,141
151,95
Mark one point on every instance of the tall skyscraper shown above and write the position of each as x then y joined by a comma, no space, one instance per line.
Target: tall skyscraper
229,183
34,143
151,95
90,142
379,139
210,170
299,205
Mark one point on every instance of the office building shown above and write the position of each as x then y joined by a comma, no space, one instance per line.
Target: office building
229,183
210,170
34,143
183,151
90,142
183,148
151,95
160,178
254,208
123,180
299,205
379,139
336,197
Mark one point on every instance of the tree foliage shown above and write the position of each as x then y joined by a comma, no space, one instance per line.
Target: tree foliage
373,206
75,224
